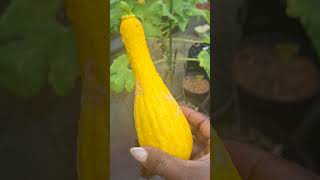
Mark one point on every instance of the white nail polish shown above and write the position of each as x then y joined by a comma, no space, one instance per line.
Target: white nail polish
139,154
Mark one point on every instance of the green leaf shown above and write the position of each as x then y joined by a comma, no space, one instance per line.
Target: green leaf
151,30
206,39
196,12
204,59
201,1
35,49
153,11
17,73
198,1
182,22
207,16
121,77
63,69
166,13
115,18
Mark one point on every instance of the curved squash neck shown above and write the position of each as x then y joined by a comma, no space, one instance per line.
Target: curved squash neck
134,40
142,66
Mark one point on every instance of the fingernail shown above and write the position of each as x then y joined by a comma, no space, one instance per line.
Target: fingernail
139,154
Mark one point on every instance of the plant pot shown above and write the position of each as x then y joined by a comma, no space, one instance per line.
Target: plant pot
197,89
192,70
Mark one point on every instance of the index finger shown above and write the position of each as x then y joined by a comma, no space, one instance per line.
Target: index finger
198,120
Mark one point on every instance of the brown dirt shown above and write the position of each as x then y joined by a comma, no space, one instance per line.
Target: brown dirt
205,6
261,71
196,85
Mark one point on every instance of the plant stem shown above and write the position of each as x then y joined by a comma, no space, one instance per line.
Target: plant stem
178,59
178,40
126,8
170,44
187,40
166,32
159,61
187,59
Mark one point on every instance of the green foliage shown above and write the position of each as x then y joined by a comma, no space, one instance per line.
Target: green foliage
204,56
204,60
115,16
35,49
308,13
121,77
206,39
155,14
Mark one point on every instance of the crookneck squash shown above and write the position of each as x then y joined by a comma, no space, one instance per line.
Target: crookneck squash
159,121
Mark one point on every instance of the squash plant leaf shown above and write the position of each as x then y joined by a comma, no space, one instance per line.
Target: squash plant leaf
154,11
150,30
35,49
206,38
121,77
204,59
63,69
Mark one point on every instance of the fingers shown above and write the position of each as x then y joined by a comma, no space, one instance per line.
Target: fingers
199,150
200,122
162,164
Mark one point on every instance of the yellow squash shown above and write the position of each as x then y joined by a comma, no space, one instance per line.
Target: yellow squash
159,120
90,20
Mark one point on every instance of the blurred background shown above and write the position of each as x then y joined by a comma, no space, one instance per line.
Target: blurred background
39,91
266,76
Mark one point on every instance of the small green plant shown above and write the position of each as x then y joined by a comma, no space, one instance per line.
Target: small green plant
158,23
121,76
199,77
204,59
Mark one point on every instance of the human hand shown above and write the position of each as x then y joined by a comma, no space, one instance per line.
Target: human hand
256,164
197,168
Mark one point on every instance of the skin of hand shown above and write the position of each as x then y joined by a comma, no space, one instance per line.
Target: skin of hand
251,162
256,164
171,168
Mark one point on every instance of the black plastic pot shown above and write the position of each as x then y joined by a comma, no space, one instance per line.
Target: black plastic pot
201,100
198,97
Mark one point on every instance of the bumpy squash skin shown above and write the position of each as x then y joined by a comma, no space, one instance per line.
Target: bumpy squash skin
159,120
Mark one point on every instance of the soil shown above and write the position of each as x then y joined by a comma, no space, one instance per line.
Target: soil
196,85
205,6
262,71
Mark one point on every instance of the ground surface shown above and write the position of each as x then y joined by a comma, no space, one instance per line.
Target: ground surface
38,137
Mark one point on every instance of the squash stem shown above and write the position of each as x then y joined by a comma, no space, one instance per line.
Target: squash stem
127,11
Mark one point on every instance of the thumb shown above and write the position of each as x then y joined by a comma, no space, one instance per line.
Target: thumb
162,164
